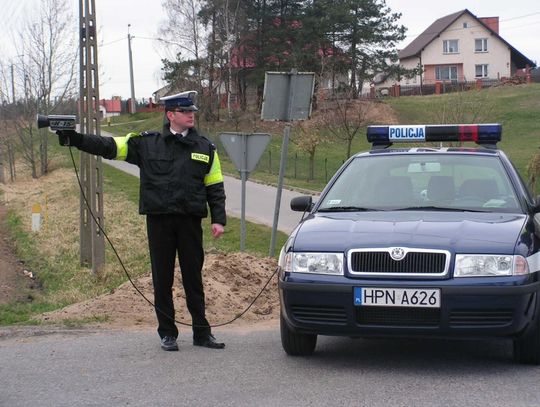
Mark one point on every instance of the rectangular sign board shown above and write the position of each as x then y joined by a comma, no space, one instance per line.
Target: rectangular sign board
284,88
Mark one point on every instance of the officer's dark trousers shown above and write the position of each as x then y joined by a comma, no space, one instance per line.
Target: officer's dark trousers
169,235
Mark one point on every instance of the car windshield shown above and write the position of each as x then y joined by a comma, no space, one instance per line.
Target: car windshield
435,182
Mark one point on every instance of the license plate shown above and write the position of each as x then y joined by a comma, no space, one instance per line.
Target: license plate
397,297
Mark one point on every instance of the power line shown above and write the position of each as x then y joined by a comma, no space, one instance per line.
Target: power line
140,38
522,25
112,42
518,17
158,39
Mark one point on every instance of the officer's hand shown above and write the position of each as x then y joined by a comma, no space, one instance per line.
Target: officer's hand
64,137
217,230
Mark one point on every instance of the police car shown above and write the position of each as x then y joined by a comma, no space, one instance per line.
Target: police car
421,241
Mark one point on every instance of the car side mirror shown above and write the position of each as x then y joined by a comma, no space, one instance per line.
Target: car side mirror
536,207
302,203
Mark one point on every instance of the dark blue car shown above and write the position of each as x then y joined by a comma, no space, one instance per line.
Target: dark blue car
424,241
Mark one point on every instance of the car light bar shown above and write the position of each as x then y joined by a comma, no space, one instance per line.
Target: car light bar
479,133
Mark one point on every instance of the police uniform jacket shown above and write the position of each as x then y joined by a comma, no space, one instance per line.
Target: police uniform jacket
179,174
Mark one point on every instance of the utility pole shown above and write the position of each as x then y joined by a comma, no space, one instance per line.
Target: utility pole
132,80
92,247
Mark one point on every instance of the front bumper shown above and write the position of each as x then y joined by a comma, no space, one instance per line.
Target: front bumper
467,311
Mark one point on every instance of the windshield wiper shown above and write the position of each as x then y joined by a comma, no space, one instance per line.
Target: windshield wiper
347,209
438,208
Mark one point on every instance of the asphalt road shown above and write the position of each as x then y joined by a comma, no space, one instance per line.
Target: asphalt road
115,368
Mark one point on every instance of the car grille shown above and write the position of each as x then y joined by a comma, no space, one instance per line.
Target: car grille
466,317
319,314
393,316
415,262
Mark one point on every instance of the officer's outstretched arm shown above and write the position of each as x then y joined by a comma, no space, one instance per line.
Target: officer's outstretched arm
68,137
89,143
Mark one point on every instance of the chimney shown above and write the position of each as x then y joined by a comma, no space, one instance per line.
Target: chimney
491,22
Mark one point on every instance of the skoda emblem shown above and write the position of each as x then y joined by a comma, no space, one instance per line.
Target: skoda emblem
397,253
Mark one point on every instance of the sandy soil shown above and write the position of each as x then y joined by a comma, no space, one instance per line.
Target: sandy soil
232,281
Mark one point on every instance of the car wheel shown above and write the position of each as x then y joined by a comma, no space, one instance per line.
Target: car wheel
296,344
527,346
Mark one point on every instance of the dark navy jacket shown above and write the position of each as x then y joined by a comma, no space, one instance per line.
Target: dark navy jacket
179,175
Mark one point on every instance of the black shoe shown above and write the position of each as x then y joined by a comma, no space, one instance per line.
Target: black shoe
208,341
169,343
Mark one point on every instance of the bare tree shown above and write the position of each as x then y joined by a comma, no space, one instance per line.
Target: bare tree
464,107
44,76
4,123
228,21
344,118
50,54
308,138
185,33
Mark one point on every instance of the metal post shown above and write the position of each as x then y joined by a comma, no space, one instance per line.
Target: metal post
132,80
243,175
284,148
92,246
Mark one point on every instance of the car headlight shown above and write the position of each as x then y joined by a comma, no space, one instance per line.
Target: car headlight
479,265
317,263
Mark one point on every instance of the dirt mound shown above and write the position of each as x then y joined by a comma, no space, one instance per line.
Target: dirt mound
231,282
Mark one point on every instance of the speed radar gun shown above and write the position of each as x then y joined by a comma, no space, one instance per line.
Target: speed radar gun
57,122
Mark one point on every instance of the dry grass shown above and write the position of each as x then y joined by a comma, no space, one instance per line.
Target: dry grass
58,240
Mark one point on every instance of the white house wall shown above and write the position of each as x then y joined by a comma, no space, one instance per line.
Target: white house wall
497,56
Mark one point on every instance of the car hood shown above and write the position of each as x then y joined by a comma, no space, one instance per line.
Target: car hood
461,232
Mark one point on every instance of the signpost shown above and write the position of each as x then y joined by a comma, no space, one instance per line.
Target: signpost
245,151
287,97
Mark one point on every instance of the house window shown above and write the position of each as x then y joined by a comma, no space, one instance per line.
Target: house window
446,73
450,46
465,25
481,71
480,45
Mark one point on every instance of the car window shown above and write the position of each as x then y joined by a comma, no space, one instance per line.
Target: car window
436,181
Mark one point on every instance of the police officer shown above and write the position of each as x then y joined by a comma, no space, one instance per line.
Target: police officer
180,174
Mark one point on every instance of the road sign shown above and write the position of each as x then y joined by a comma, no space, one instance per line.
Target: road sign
287,95
244,149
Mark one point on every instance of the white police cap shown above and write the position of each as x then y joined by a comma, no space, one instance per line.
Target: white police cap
183,101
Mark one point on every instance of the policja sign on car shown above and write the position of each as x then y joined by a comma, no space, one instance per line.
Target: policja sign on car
407,133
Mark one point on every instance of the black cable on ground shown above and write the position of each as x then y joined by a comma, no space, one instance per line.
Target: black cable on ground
129,277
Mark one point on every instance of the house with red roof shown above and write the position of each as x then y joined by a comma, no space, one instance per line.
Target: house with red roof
112,107
461,47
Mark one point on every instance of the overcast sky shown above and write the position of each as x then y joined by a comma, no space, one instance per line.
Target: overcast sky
519,25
